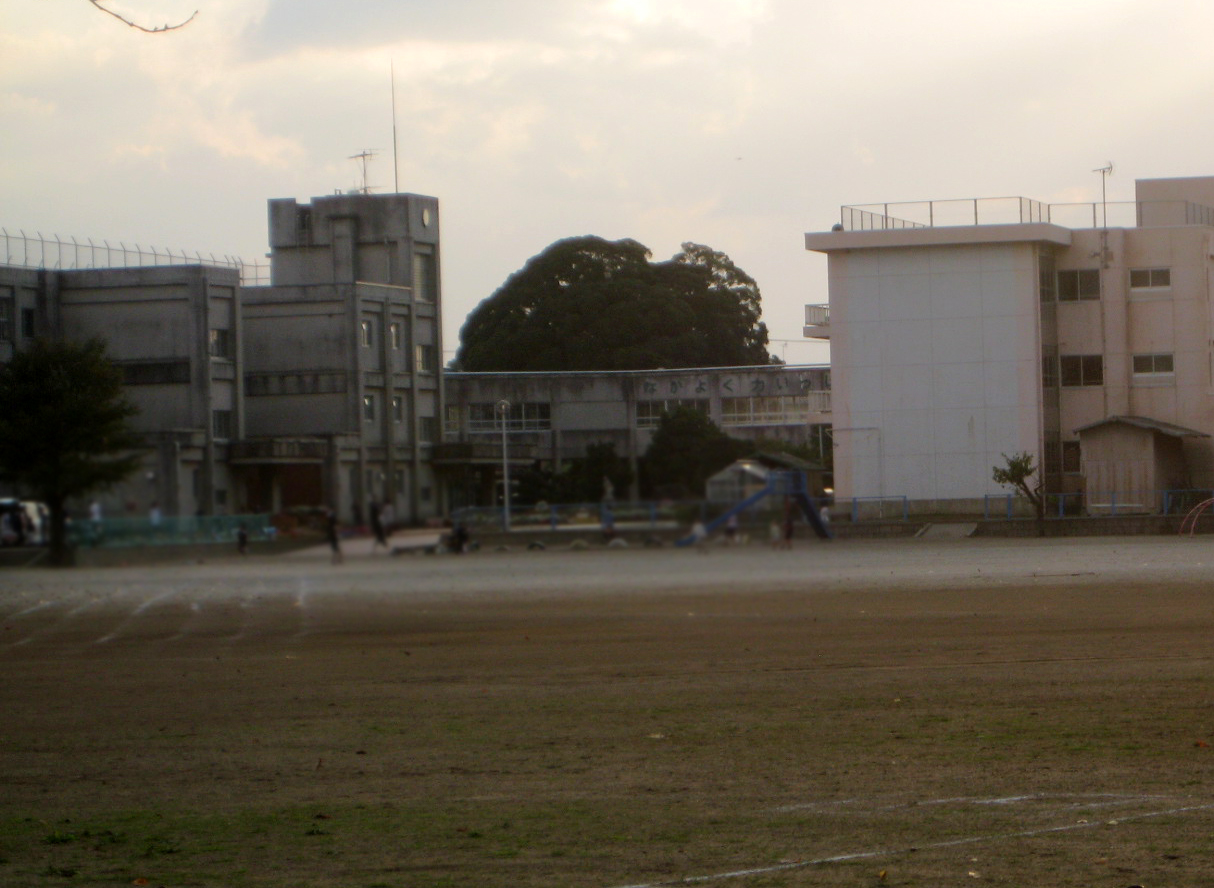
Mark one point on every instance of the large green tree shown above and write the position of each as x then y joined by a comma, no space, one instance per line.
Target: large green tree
686,449
586,303
64,427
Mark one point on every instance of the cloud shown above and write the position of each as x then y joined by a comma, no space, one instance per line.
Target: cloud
289,25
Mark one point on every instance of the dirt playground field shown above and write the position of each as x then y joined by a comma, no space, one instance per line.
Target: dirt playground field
859,713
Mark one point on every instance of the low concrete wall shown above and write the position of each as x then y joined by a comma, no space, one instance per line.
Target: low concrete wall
1120,525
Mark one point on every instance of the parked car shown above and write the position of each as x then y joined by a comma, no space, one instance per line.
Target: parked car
24,523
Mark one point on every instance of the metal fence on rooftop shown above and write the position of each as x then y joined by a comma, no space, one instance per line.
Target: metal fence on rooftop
36,251
1021,211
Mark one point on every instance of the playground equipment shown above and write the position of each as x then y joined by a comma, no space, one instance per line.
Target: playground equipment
1189,523
793,485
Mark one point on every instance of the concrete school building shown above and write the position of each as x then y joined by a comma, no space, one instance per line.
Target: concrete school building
321,388
324,386
1082,334
552,417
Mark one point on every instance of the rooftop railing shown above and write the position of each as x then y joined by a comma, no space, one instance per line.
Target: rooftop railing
35,251
1022,211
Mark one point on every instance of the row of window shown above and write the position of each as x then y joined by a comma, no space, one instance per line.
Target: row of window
1081,370
525,417
321,383
773,410
650,413
537,416
366,334
427,425
425,357
1081,284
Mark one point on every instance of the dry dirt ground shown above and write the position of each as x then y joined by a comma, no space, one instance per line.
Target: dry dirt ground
909,713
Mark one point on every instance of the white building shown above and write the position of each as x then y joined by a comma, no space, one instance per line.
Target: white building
964,330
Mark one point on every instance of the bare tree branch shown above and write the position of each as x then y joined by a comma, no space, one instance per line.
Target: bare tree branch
127,21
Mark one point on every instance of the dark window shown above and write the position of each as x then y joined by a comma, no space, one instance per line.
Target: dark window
424,359
1053,456
222,423
28,323
425,277
1080,284
1150,278
156,372
6,316
1077,370
1152,364
221,344
1071,457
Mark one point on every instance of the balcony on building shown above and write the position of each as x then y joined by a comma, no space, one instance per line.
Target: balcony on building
817,322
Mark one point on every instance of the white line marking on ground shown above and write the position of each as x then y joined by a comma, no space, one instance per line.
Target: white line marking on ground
1089,798
134,615
32,609
892,852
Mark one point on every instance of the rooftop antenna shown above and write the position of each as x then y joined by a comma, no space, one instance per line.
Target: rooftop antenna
363,156
395,155
1105,171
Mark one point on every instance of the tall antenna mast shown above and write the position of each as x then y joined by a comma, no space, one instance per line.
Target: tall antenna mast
363,156
1105,171
395,155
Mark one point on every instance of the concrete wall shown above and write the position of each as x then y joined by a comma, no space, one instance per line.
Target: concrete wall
936,367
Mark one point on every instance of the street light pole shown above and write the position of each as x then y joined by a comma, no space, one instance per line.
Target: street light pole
503,407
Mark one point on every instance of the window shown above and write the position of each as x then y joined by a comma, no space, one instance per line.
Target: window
535,416
1150,278
427,429
6,315
451,423
369,408
257,384
394,332
1052,461
398,409
28,321
220,345
156,372
423,359
366,333
425,277
221,423
769,410
1070,457
1046,277
650,413
1152,365
1049,370
1077,370
1080,284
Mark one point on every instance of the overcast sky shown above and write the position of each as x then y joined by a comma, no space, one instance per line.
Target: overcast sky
740,124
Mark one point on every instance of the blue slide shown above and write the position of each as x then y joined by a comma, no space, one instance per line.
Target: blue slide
791,484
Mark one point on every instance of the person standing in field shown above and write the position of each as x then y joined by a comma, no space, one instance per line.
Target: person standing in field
332,533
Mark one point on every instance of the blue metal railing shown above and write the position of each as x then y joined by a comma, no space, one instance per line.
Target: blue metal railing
196,530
